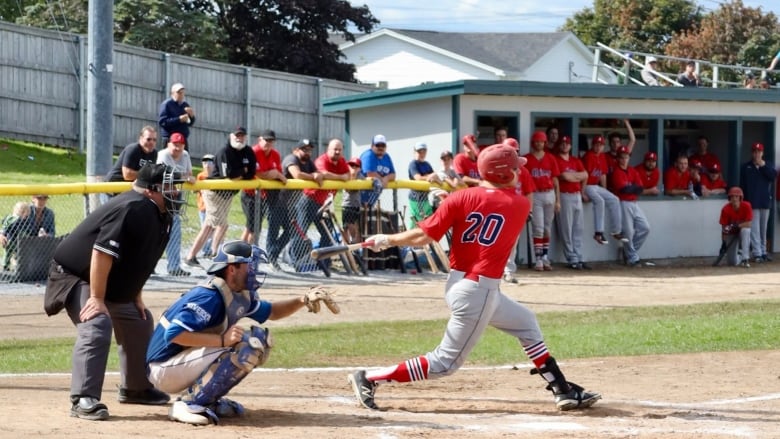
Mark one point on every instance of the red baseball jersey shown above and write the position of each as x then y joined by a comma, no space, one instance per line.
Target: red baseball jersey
621,178
711,184
674,179
612,162
729,215
542,170
324,163
572,164
485,225
525,184
463,165
595,165
649,178
708,160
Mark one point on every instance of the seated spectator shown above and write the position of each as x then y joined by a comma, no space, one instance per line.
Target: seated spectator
707,159
650,174
765,83
447,173
648,73
689,78
677,180
713,181
41,217
749,81
695,171
14,227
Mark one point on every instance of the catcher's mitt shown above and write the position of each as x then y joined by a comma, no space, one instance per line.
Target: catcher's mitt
318,295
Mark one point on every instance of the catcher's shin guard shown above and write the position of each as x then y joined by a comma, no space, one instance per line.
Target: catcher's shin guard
230,368
567,395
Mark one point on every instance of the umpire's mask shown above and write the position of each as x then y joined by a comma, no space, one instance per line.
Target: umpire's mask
175,198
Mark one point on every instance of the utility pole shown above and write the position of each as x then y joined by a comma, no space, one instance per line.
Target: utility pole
100,93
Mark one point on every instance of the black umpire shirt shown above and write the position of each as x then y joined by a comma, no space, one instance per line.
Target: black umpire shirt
128,227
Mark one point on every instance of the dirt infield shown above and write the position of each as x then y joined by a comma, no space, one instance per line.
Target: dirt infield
734,394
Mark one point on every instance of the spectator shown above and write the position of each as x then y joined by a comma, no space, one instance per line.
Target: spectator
570,221
200,350
765,83
713,181
774,62
134,156
677,180
735,220
616,141
176,116
15,226
648,171
552,138
269,167
98,273
525,186
604,201
350,204
749,81
649,72
500,134
627,185
447,174
707,159
547,198
465,162
377,163
420,170
177,158
689,78
41,217
207,165
330,165
233,161
756,180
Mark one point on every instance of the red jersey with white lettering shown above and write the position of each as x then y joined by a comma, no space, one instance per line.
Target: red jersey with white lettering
708,160
621,178
649,178
542,170
572,164
674,179
485,225
743,214
525,184
464,166
595,165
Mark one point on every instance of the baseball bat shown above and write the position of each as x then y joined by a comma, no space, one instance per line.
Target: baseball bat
333,250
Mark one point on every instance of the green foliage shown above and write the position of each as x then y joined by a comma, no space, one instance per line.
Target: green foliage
715,327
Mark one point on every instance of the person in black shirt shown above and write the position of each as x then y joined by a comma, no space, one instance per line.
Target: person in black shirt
134,156
97,274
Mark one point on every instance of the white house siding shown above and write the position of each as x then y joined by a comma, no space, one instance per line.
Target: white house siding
401,64
553,66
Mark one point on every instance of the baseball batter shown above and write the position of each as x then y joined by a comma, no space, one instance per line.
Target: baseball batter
547,198
486,221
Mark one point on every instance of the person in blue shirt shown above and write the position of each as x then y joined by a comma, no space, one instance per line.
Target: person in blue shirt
376,164
420,170
757,181
199,350
176,116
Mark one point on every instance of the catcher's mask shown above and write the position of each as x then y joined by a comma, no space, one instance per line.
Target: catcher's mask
239,252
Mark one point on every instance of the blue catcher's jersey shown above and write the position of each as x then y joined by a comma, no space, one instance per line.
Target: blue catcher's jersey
202,309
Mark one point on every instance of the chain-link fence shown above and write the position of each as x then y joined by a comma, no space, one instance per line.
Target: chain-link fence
287,223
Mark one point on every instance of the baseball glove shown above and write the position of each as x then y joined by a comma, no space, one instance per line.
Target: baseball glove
316,296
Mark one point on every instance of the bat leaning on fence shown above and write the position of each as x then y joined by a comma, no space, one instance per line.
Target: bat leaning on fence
333,250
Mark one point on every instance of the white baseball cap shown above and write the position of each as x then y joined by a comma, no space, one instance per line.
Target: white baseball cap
176,87
651,59
379,138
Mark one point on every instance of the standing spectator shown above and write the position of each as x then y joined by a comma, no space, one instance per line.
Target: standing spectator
420,170
207,165
41,217
604,202
648,171
269,167
756,180
627,184
233,161
97,275
570,221
547,198
134,156
677,179
350,204
689,78
524,186
465,162
713,180
486,222
707,159
649,73
176,116
177,158
736,218
15,226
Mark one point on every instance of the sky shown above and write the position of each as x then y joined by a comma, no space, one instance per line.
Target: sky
494,15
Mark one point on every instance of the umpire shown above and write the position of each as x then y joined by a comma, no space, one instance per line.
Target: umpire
97,275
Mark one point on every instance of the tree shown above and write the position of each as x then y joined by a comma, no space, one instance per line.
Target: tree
63,15
11,10
733,34
289,35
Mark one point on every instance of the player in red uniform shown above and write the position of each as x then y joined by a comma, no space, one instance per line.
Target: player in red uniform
465,162
650,174
713,181
735,220
604,201
707,159
570,221
677,179
547,198
486,221
525,186
627,185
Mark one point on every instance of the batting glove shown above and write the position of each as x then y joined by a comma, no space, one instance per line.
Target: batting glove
380,242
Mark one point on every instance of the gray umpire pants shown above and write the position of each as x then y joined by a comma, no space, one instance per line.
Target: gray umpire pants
570,226
93,341
604,201
635,228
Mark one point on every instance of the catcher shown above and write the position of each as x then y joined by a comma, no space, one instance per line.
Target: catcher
197,348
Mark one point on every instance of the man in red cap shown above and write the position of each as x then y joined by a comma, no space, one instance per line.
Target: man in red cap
713,180
756,180
650,174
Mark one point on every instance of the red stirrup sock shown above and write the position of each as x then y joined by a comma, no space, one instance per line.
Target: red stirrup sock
414,369
537,353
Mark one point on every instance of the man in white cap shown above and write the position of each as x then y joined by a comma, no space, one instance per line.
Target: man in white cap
176,116
648,73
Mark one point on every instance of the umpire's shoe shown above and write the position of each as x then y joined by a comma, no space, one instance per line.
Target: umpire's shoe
89,408
363,388
149,396
575,398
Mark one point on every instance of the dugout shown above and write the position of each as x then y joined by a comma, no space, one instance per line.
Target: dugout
666,120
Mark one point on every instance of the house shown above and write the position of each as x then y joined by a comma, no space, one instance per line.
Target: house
395,58
666,120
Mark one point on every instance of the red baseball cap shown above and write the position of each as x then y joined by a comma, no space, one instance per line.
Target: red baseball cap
651,156
715,168
623,150
758,146
177,138
696,164
355,161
